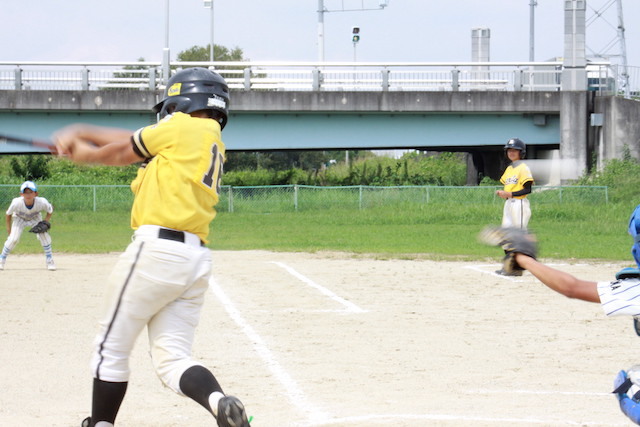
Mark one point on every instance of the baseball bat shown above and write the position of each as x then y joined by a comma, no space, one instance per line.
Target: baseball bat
26,142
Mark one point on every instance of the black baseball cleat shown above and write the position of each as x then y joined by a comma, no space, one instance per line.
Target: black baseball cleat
231,413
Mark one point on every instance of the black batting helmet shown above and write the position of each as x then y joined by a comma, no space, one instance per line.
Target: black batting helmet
518,144
195,89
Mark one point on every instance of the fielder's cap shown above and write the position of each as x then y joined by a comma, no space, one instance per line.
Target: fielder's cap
28,184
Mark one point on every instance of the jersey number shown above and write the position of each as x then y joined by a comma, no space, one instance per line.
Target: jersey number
215,170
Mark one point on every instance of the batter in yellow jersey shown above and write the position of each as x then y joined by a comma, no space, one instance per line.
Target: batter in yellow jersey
160,281
179,187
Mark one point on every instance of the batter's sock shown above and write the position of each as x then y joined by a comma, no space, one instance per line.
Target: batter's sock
107,397
5,252
198,383
214,399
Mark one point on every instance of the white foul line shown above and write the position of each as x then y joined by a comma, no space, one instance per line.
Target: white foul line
387,419
292,391
576,393
351,307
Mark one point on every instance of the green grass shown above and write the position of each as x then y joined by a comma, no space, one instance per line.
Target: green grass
436,231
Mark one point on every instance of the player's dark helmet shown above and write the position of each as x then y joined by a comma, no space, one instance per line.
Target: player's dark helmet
518,144
195,89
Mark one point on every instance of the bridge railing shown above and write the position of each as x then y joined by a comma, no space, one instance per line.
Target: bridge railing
308,76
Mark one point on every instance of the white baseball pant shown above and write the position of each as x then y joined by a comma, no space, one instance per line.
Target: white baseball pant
160,284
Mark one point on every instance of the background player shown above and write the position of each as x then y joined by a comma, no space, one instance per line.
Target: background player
26,211
617,297
161,279
517,181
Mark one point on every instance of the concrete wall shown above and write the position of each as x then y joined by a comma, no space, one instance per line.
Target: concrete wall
619,128
574,115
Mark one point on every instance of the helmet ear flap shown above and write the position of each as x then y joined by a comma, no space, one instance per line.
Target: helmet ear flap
173,104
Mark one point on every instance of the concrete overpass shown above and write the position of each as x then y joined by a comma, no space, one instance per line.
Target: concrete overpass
474,122
577,123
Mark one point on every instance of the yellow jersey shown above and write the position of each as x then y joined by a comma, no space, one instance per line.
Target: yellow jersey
179,185
515,176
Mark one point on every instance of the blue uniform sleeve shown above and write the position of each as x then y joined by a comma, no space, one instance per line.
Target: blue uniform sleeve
629,407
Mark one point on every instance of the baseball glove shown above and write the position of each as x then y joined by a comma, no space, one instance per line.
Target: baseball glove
513,241
41,227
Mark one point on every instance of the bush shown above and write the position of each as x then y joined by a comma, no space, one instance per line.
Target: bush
621,176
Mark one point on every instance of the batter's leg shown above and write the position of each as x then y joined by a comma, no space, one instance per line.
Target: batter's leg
171,333
120,325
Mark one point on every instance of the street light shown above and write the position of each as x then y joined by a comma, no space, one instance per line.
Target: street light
355,31
382,4
209,4
165,52
355,38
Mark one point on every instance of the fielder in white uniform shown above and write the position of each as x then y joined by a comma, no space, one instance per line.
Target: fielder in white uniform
26,211
619,297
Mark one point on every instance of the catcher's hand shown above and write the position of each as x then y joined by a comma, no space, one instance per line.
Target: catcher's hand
41,227
513,241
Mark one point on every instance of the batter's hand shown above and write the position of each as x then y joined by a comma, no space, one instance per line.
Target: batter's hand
69,143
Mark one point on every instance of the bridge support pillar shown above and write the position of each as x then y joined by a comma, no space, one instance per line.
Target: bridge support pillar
574,119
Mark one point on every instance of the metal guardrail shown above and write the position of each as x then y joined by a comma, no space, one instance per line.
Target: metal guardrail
310,76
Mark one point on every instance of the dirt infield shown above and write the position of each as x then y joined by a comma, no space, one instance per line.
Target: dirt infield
330,340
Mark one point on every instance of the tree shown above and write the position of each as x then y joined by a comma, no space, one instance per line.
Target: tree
31,167
129,80
220,53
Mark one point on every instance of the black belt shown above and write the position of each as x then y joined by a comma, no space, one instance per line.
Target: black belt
178,236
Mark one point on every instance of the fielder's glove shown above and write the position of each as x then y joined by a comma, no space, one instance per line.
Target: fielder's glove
513,241
41,227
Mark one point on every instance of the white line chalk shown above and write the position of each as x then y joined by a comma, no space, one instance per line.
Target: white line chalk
351,307
295,395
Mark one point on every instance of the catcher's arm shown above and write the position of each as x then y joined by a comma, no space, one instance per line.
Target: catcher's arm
559,281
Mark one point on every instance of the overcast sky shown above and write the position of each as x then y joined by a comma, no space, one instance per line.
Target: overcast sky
287,30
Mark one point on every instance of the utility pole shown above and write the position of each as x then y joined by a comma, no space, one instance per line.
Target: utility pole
321,12
623,52
532,11
209,3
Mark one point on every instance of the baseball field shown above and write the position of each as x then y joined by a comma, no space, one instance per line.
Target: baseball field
330,339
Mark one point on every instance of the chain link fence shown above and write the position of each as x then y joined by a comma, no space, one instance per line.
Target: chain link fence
291,198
